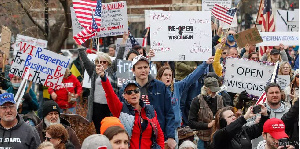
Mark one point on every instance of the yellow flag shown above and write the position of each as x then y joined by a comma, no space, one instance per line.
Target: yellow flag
75,71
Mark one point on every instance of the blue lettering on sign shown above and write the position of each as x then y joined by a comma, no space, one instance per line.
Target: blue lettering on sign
37,66
49,59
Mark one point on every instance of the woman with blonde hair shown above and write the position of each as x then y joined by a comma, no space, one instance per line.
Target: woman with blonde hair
58,136
97,104
292,91
285,69
46,145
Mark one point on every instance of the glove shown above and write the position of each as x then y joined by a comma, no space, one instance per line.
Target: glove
27,97
243,96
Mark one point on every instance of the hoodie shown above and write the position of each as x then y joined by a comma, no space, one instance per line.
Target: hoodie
21,136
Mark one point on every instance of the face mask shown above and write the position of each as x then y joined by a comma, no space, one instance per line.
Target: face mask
16,85
230,38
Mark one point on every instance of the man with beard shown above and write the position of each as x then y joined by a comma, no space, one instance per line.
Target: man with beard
276,108
15,133
51,116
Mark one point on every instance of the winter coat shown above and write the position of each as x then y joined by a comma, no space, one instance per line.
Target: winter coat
235,136
291,121
182,87
41,128
90,69
160,98
33,105
140,131
216,64
21,136
71,84
184,68
200,115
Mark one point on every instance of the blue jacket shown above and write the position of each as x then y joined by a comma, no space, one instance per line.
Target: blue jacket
181,87
160,97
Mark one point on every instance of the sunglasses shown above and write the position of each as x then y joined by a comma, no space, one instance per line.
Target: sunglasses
102,62
224,53
129,92
297,76
230,34
48,139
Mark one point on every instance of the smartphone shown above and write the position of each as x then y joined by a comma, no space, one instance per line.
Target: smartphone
283,142
256,109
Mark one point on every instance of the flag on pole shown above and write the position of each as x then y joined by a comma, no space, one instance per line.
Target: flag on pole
75,71
223,13
260,13
273,79
132,39
98,8
268,24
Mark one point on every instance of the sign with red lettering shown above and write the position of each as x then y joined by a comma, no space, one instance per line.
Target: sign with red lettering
45,67
180,35
33,41
113,19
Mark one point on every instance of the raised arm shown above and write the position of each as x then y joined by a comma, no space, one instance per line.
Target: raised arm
88,65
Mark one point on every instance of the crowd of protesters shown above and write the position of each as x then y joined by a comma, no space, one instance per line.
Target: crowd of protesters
148,112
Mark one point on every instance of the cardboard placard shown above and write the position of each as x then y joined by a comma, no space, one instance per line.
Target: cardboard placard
87,80
45,67
114,20
207,5
5,40
181,35
124,71
275,38
242,74
30,40
249,36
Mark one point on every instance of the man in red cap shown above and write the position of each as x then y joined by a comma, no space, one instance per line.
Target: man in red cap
273,133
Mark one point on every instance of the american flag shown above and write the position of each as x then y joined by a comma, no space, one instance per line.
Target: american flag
260,13
83,12
223,13
145,38
91,29
268,24
98,8
132,39
273,79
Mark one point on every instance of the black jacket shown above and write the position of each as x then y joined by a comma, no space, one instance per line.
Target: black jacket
291,121
235,136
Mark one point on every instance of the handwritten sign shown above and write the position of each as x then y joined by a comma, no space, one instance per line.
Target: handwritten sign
249,36
44,66
87,79
246,75
75,23
113,19
181,35
124,71
275,38
5,40
147,17
207,5
128,45
30,40
287,21
283,81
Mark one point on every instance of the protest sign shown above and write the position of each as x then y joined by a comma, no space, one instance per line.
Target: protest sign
283,81
87,80
30,40
147,17
124,71
275,38
181,35
113,19
45,67
249,36
75,23
128,45
243,74
207,5
287,21
5,40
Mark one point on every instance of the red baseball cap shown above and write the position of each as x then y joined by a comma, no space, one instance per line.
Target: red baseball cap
276,128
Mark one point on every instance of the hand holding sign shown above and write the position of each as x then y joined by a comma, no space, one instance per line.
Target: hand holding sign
210,60
151,53
100,70
125,37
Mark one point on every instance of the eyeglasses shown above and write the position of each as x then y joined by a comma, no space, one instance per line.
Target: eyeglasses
102,62
254,58
47,138
224,53
286,67
231,34
8,107
129,92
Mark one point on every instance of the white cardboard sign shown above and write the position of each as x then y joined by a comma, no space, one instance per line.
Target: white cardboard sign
207,5
181,35
87,80
44,66
287,21
275,38
30,40
246,75
75,23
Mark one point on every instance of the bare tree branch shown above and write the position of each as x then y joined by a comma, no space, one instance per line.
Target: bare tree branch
33,21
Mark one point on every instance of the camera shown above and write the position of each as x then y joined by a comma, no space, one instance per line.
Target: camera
283,142
256,109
